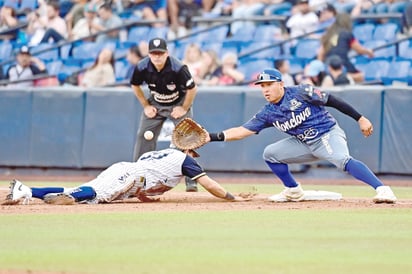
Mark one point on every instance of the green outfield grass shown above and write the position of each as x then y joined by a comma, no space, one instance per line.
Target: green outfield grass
372,240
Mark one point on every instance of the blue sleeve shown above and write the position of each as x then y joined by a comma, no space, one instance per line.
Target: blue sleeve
258,122
191,168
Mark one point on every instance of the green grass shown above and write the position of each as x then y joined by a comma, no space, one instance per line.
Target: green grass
370,240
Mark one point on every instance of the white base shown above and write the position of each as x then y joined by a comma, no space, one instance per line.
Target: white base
310,195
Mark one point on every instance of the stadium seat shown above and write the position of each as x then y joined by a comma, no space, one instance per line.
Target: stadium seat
45,54
364,32
28,5
157,32
387,32
269,33
261,50
244,34
252,67
6,50
138,34
54,67
398,72
86,50
384,52
306,49
375,69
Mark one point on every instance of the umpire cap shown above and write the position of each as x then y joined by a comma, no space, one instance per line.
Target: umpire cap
269,75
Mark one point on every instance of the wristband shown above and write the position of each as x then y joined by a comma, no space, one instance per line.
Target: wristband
217,137
229,196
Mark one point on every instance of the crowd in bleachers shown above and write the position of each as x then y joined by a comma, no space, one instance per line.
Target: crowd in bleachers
74,40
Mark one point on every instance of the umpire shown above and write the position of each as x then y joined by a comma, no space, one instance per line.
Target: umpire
172,91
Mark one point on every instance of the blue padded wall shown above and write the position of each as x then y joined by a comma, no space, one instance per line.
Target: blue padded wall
218,110
15,123
397,132
57,127
111,120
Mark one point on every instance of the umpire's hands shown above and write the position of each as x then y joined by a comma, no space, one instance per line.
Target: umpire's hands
150,111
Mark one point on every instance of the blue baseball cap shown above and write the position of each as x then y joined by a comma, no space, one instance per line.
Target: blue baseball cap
269,75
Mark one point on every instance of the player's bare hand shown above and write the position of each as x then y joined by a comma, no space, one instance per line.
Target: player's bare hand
365,126
150,111
178,112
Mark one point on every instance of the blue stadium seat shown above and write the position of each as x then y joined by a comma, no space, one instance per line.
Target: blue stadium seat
375,69
244,34
385,52
364,32
157,32
398,72
270,33
45,55
6,50
138,34
53,67
306,49
252,67
260,52
86,50
28,5
12,3
387,32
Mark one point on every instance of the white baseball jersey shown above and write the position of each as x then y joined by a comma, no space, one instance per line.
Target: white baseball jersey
154,173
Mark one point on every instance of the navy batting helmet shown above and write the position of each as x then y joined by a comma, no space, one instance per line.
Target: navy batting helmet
269,75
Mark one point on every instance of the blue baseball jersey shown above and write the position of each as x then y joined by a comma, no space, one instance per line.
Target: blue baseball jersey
300,113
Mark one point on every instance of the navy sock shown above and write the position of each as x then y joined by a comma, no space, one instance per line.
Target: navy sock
83,193
361,172
39,192
282,171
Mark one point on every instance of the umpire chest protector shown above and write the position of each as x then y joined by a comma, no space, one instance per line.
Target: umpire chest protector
168,86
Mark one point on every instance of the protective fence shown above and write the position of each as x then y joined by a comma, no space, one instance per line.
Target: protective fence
70,127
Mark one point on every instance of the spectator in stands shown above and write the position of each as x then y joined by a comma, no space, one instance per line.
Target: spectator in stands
150,10
227,73
210,62
314,73
245,8
283,66
108,20
193,59
86,26
180,14
8,20
101,73
75,14
56,27
336,75
133,57
327,16
303,21
339,40
26,67
364,7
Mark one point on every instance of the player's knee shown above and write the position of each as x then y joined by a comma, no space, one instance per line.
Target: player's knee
340,162
269,156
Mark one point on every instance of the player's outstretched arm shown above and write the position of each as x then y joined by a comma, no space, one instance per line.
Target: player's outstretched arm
217,190
231,134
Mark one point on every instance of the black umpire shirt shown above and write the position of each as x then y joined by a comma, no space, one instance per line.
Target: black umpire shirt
168,86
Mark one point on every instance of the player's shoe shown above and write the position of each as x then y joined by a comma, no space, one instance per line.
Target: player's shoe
191,186
18,191
289,194
59,199
384,194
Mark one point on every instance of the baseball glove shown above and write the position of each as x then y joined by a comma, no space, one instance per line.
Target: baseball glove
188,134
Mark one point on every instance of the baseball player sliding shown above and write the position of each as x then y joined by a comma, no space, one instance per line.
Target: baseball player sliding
315,135
154,173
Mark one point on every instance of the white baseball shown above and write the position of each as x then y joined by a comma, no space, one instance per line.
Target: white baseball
148,135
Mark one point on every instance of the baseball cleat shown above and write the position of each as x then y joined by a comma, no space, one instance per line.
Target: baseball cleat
384,194
18,191
59,199
289,194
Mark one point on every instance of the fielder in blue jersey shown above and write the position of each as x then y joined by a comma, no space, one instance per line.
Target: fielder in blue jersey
314,134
